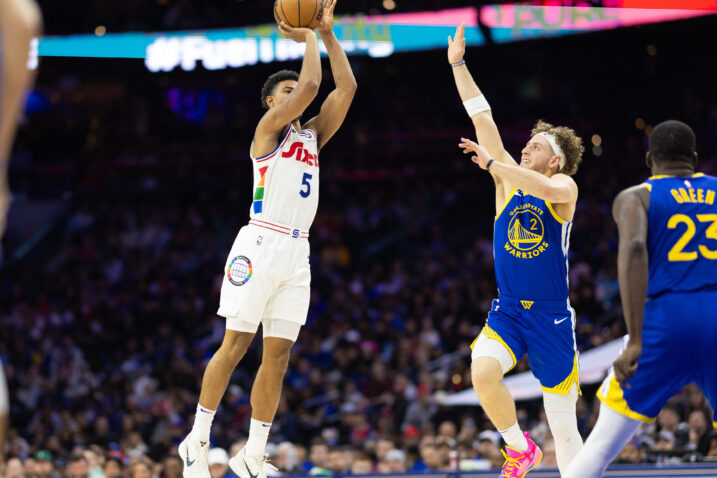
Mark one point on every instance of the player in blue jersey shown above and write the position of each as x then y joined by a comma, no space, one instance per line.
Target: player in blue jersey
667,268
19,23
535,203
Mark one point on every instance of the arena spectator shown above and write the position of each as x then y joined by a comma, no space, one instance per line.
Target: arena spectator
172,467
14,468
141,468
318,459
395,462
362,465
670,419
549,458
77,467
95,459
699,433
113,467
632,453
218,461
44,467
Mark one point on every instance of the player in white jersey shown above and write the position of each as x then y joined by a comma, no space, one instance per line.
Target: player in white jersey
267,274
19,23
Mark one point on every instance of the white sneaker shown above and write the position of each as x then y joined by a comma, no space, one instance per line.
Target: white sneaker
251,467
194,457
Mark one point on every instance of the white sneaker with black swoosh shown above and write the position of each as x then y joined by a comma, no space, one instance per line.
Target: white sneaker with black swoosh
250,466
194,457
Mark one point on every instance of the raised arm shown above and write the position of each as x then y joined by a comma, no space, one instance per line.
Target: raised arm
306,89
333,110
473,99
630,213
557,189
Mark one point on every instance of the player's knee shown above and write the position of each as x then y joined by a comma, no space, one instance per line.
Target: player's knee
486,371
561,403
276,354
235,345
560,412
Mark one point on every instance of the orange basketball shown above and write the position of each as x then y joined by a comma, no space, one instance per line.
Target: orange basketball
299,13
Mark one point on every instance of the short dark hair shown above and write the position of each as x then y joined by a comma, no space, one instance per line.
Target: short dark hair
673,140
115,459
76,458
273,80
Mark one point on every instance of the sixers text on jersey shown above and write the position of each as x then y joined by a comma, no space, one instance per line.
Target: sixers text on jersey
288,173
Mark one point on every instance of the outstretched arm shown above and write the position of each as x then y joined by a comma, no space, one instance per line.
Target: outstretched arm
334,109
485,127
557,189
301,97
630,213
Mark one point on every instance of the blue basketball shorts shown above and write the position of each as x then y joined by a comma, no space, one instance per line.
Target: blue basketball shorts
545,330
679,346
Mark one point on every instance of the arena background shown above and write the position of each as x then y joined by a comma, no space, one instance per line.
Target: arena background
130,185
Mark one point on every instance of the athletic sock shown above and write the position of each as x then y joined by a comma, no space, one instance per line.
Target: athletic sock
258,436
514,438
202,424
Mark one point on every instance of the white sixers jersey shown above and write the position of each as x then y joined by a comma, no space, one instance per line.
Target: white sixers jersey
286,181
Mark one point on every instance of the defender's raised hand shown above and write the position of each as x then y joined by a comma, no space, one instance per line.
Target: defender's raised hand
457,45
482,155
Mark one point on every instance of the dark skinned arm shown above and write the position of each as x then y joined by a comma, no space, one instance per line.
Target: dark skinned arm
630,213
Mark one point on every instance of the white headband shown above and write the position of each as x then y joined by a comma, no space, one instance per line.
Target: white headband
556,149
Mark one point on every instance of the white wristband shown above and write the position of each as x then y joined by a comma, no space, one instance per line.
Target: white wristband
476,105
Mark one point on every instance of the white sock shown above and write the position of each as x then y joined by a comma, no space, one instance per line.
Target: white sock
202,423
514,438
610,435
258,436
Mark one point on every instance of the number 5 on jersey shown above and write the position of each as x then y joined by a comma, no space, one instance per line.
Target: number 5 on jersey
304,193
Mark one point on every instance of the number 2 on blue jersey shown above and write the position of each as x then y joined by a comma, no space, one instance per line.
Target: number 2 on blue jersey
305,182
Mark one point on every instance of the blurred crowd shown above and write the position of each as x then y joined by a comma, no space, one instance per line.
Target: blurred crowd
107,326
447,448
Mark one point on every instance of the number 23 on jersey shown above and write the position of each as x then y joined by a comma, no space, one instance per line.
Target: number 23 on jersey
678,252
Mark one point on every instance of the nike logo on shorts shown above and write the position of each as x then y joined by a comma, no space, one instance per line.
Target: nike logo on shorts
556,321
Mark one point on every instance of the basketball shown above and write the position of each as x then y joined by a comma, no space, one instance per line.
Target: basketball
299,13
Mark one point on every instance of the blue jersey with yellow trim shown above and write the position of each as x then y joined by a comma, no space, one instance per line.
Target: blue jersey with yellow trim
530,247
682,234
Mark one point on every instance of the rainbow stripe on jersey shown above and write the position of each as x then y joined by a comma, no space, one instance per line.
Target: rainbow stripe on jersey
259,193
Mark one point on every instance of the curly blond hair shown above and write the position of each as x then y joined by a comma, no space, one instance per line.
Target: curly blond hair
571,144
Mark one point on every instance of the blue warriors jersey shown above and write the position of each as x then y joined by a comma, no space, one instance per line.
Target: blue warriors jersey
682,234
530,246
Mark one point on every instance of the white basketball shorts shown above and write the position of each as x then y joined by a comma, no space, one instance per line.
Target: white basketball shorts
267,279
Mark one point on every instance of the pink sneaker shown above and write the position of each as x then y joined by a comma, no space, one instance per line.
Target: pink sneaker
518,464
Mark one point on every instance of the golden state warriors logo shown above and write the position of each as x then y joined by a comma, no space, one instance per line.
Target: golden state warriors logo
525,232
